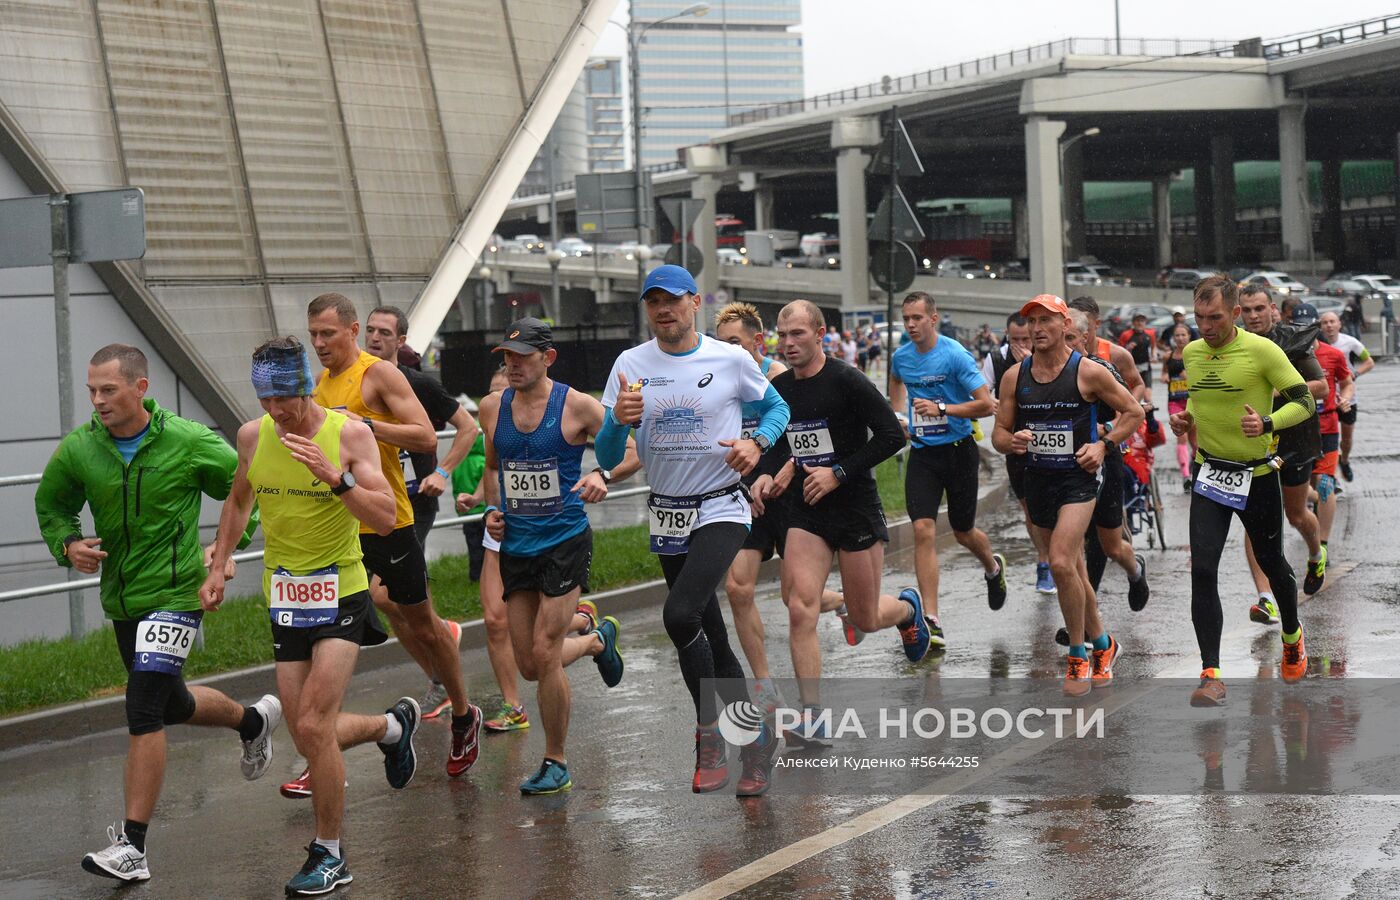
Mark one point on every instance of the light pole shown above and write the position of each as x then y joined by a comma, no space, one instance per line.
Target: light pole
1117,30
555,256
1065,144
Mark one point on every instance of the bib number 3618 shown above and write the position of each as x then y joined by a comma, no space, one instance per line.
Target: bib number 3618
164,640
304,601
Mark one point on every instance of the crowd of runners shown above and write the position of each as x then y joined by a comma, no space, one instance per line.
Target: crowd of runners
746,457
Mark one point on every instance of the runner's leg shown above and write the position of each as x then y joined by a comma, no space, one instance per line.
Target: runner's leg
498,640
739,586
1210,526
537,625
1262,518
1066,562
806,565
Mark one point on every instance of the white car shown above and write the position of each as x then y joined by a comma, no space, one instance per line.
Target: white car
532,243
728,256
1279,282
1370,285
1079,273
963,267
575,247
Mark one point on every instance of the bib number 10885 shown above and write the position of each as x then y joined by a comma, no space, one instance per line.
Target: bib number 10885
304,601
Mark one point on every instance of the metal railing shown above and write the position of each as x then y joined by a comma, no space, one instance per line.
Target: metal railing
530,190
1332,37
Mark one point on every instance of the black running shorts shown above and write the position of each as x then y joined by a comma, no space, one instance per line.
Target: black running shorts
947,468
355,621
397,558
552,572
1108,511
767,532
1047,490
851,527
153,699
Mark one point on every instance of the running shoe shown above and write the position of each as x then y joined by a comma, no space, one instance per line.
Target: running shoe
766,695
1138,591
711,761
508,718
435,701
589,610
121,860
757,759
1186,485
853,634
1211,692
456,629
1101,662
609,661
298,788
463,752
1316,574
1345,467
321,874
1265,612
400,760
1294,664
1079,679
1044,581
996,584
257,753
936,640
915,635
552,778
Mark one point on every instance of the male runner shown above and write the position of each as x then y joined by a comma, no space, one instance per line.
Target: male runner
1140,342
739,324
1298,447
1340,388
1016,347
536,432
937,385
315,475
1361,362
1049,415
386,331
1231,374
684,393
141,471
840,430
377,393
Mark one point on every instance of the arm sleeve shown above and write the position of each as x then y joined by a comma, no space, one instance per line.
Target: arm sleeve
57,502
611,444
887,435
773,415
1286,380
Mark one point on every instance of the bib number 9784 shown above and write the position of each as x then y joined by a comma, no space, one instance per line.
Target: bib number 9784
671,520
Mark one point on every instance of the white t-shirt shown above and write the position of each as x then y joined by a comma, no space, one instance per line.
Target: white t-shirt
851,352
1351,347
691,402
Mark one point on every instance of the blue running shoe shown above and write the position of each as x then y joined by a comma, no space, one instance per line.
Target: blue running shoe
610,660
1044,581
914,635
552,778
400,761
322,874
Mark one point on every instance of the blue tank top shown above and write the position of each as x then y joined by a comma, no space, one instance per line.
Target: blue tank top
537,472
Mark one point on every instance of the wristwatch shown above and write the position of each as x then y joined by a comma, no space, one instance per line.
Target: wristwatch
762,442
839,472
942,409
1268,424
368,422
347,481
605,473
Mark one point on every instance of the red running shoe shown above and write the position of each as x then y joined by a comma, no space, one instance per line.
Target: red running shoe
711,761
464,744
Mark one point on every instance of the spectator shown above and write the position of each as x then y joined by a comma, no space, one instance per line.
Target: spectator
986,342
848,349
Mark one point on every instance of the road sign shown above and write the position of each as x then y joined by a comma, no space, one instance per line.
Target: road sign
905,224
687,256
682,212
907,163
607,205
893,271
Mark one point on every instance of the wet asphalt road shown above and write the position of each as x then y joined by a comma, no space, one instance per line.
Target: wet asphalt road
630,827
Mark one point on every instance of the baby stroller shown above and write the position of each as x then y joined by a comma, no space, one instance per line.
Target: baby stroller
1142,500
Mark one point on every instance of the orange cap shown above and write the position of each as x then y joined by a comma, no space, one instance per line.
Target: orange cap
1048,302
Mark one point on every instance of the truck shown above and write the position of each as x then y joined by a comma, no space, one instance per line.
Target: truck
762,248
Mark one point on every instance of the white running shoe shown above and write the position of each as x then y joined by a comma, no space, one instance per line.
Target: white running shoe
257,753
121,861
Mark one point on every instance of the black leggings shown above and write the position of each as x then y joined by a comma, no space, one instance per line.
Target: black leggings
153,699
693,619
1210,524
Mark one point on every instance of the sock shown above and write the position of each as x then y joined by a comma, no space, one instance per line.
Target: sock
1079,651
1101,642
912,613
1293,638
136,833
1317,557
1267,595
461,723
1211,673
252,724
991,576
332,845
558,762
392,732
1137,573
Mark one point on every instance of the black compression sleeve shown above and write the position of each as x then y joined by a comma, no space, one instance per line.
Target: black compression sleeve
887,435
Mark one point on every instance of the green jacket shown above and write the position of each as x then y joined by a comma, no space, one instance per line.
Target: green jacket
146,513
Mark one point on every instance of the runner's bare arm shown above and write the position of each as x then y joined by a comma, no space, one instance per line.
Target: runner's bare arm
387,390
371,500
233,518
435,485
1123,362
1005,438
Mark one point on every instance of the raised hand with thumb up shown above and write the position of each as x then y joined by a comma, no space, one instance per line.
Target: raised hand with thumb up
629,406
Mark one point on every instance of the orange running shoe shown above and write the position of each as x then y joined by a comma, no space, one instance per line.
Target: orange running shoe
1078,678
1211,691
1102,662
1294,664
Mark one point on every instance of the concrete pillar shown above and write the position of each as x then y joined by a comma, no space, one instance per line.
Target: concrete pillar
1162,218
1203,198
1044,218
1222,180
850,137
763,207
1333,237
1295,211
1073,187
706,187
1020,236
1397,194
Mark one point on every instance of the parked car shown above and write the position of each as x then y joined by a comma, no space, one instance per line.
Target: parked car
1325,304
1279,282
1106,274
575,247
1015,270
1120,318
1370,285
1186,279
1081,274
963,267
532,243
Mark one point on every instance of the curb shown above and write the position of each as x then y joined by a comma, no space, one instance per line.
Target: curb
91,717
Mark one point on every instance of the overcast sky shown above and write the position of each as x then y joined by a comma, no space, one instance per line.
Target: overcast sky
848,43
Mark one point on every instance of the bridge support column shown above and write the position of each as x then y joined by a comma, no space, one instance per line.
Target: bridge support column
1044,218
1162,218
849,138
1295,212
1073,187
763,207
1203,198
1222,180
706,187
1333,237
1020,236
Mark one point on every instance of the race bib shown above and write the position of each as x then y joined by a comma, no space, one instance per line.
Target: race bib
746,432
1052,445
921,425
811,442
304,601
1228,487
164,640
672,519
531,487
1177,386
410,477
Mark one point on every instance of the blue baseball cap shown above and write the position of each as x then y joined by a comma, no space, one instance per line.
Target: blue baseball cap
1304,314
673,280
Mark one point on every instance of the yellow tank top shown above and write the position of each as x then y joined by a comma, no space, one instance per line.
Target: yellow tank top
305,526
344,392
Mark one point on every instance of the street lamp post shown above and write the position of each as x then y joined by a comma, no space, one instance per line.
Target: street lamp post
1065,144
555,256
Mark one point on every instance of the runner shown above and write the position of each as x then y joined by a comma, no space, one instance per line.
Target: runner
1339,393
315,475
1298,447
1140,341
140,470
1049,415
1016,347
536,432
1359,358
840,429
1119,356
683,392
1174,375
1231,374
378,394
386,333
937,384
739,324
